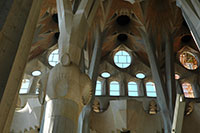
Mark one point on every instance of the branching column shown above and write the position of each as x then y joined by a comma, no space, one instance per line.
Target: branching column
67,88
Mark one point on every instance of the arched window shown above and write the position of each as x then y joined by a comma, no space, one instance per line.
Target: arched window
132,89
24,86
151,89
98,88
54,58
114,88
187,90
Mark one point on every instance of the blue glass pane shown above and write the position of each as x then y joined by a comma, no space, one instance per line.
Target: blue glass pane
140,75
132,86
114,88
132,93
105,75
122,59
114,93
151,94
97,93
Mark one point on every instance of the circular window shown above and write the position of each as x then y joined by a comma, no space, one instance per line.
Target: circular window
36,73
122,59
188,60
105,75
54,58
140,75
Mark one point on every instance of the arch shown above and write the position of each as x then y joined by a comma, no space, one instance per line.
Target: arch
114,88
151,89
132,89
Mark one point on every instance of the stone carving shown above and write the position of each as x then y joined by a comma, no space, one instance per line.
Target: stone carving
67,90
189,108
152,107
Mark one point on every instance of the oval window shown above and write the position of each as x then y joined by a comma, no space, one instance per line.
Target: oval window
188,60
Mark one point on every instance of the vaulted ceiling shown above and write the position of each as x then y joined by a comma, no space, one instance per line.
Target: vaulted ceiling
122,25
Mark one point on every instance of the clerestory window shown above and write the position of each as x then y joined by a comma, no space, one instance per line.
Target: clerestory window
114,88
151,89
132,89
54,58
98,88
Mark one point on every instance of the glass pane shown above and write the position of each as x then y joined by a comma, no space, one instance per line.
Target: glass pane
132,86
98,88
187,89
114,88
24,86
188,60
122,59
151,94
54,58
151,89
133,93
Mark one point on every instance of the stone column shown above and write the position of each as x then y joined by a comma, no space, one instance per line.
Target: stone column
68,90
16,39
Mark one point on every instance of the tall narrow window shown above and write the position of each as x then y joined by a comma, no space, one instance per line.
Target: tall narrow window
151,89
187,90
98,88
132,89
24,86
114,88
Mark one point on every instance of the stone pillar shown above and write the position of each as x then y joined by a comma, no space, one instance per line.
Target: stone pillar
68,90
16,39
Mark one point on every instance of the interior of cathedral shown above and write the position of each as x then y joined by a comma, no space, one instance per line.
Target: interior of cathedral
99,66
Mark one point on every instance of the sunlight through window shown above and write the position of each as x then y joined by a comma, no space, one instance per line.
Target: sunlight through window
151,89
98,88
54,58
132,89
24,86
122,59
105,75
140,75
114,88
187,90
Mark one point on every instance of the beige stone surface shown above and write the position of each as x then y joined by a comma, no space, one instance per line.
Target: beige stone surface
67,91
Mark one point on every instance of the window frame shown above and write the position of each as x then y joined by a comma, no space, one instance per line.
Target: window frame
151,92
137,91
111,90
